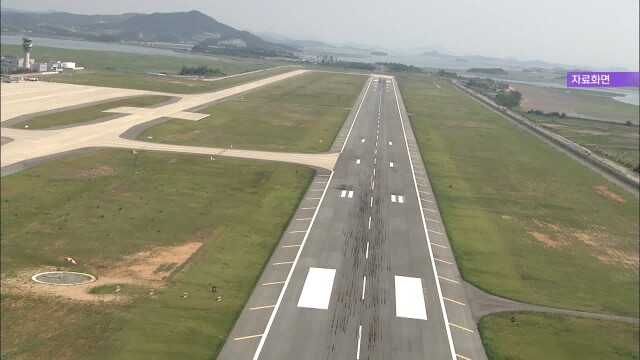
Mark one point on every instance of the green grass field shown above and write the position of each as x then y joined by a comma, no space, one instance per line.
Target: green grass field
99,207
614,140
545,336
124,70
88,113
303,113
525,221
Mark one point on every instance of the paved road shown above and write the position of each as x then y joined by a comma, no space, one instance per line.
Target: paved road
365,270
34,146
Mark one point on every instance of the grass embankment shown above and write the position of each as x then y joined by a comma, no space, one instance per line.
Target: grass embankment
303,114
546,336
614,140
100,208
88,113
599,105
128,71
525,221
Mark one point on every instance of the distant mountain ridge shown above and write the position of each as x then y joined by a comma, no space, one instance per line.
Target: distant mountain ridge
191,27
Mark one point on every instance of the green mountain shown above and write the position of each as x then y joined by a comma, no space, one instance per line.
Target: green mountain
193,27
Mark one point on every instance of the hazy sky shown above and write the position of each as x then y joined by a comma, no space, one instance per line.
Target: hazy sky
598,33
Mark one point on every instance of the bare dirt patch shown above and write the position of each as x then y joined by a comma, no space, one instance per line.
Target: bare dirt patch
144,269
597,241
602,190
95,172
543,238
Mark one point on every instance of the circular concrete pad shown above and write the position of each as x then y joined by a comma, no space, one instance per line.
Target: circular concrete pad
63,278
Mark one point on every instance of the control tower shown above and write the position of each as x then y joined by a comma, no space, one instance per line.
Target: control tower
26,46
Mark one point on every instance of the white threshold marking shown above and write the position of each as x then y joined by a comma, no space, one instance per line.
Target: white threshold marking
316,291
410,298
362,140
390,142
401,199
350,194
393,198
343,193
366,253
256,355
364,286
391,164
424,225
359,340
358,162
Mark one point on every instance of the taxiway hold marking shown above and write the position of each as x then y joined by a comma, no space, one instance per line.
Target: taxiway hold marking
453,301
447,279
461,327
283,263
443,261
247,337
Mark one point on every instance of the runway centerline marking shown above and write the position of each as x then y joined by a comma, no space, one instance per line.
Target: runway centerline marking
369,222
364,286
359,340
371,202
366,254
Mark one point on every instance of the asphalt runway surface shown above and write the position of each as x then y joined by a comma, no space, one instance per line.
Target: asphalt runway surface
365,269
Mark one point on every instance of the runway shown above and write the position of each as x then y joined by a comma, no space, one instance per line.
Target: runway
365,270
